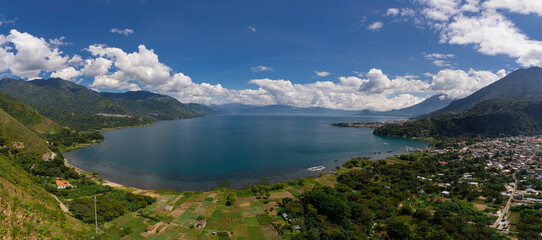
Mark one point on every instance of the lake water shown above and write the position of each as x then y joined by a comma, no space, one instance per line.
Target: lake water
195,154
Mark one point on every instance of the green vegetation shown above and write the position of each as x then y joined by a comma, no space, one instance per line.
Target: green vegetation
491,118
378,198
82,109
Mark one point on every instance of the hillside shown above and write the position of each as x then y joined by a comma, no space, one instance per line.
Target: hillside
83,109
28,211
429,105
522,84
15,138
490,118
152,105
27,115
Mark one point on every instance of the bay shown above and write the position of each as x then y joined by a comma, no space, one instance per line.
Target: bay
195,154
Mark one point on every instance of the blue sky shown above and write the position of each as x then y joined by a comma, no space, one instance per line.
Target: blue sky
337,54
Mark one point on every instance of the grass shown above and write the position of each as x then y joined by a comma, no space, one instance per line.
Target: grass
251,221
217,215
264,219
256,233
136,225
183,217
294,192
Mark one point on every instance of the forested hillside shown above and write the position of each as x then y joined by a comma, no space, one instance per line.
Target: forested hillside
490,118
83,109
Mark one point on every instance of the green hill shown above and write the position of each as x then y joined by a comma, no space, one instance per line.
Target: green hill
15,138
83,109
28,211
522,84
152,105
27,115
490,118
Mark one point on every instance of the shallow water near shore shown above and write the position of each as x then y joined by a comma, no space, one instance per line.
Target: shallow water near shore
195,154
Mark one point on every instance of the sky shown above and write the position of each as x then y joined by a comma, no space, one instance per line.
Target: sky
348,54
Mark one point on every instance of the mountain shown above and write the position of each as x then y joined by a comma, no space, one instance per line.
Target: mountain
429,105
80,108
522,84
489,118
237,108
152,105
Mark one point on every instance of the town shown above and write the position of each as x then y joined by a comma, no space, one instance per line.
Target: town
517,158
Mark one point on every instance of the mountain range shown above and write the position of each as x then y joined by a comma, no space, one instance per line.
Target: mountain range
80,108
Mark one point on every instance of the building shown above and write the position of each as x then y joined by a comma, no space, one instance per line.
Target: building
168,208
201,224
62,184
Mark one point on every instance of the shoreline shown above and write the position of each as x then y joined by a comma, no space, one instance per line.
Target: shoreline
294,175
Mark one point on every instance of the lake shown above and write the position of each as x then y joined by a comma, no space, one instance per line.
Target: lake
195,154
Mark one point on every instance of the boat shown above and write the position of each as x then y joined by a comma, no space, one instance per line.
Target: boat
317,168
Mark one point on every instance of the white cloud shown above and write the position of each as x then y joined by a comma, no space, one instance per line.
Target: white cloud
321,74
4,22
96,67
439,59
32,56
392,12
59,41
459,84
124,32
485,27
112,68
376,26
66,73
252,28
261,68
517,6
142,66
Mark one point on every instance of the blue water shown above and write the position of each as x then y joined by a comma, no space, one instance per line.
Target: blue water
195,154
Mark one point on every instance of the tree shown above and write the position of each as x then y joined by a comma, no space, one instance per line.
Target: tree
398,230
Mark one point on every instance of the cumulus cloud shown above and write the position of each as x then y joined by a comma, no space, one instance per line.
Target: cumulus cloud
376,26
459,84
29,55
66,73
261,68
124,32
24,55
484,25
321,74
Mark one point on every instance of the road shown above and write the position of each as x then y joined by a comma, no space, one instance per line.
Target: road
507,207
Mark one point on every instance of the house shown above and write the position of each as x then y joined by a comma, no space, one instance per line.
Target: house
482,198
445,193
201,224
150,228
168,208
285,216
62,184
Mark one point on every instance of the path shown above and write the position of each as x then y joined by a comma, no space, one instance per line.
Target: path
62,206
507,207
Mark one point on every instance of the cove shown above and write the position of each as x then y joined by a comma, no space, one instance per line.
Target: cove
195,154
